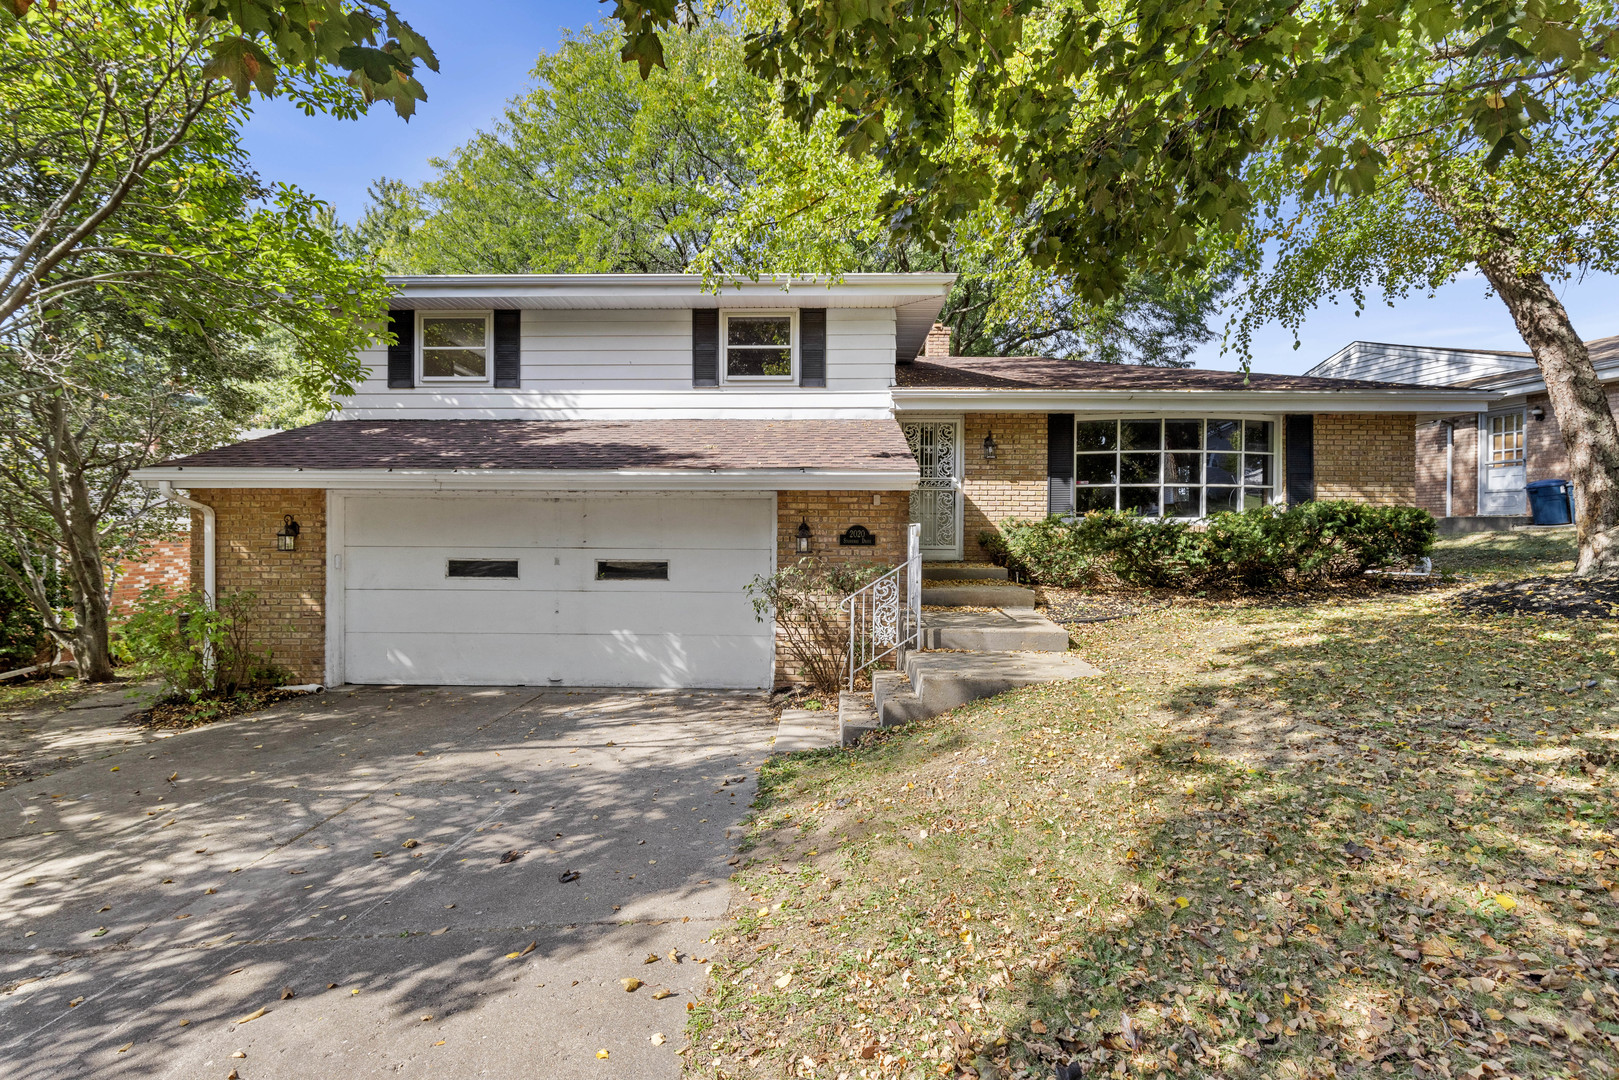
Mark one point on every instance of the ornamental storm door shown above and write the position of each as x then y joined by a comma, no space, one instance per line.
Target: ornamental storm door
936,502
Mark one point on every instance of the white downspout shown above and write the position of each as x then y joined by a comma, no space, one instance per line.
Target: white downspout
166,489
1450,462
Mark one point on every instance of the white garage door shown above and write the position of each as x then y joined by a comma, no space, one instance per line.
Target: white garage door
608,590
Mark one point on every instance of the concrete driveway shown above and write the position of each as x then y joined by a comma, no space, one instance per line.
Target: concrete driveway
381,854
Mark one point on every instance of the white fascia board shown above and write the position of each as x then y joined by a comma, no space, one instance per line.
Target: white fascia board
1189,402
536,480
1535,384
665,290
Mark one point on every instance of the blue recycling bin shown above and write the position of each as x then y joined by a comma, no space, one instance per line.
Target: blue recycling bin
1551,502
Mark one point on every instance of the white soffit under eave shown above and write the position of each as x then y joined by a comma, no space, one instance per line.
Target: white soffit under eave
550,480
668,291
1190,401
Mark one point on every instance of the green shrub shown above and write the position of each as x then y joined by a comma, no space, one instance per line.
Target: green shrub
23,639
194,650
1261,548
806,599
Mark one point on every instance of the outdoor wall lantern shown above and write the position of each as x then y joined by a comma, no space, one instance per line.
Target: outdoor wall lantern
1538,413
989,447
287,538
804,537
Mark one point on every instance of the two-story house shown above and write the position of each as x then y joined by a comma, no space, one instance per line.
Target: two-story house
570,479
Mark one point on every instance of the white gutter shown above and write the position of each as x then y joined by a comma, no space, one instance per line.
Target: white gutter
1203,402
166,489
534,479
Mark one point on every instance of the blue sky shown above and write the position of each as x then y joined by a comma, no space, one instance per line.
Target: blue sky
486,49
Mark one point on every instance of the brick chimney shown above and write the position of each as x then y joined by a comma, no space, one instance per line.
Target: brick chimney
938,342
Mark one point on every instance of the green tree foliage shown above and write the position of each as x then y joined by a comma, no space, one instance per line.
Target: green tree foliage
697,169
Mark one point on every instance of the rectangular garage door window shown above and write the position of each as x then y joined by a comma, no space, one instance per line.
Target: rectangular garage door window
482,568
631,570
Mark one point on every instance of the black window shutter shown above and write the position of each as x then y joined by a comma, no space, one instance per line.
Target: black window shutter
705,347
508,348
1059,463
1299,433
812,347
402,353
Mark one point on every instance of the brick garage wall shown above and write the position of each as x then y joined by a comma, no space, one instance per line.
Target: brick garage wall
1464,467
830,513
164,563
290,585
1011,486
1367,457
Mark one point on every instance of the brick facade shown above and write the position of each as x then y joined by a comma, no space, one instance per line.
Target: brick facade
1011,486
290,585
830,513
163,563
1367,457
1546,458
1464,467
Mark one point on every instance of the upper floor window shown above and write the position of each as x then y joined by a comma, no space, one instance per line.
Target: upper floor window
759,345
455,346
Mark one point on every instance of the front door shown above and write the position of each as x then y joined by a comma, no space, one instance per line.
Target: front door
936,502
1502,487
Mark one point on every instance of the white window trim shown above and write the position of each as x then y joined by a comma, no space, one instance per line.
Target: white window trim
488,377
791,378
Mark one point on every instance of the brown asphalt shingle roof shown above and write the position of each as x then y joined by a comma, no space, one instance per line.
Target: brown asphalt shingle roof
868,445
1604,351
1049,373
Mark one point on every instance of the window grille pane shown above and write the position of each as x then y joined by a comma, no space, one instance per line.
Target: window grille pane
463,332
1256,469
1143,500
1094,498
759,330
1254,497
1184,468
1140,435
1224,468
1182,502
1219,499
1256,435
1183,434
1096,435
1225,435
453,363
481,568
1139,468
1096,469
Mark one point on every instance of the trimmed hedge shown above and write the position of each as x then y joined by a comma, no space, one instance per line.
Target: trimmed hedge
1262,548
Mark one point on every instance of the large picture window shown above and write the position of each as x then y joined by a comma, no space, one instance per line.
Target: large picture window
455,346
758,346
1173,468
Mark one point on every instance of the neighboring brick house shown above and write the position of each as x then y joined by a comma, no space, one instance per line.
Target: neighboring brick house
164,563
571,479
1472,467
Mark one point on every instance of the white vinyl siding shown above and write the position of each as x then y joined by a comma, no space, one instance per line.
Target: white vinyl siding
405,621
623,363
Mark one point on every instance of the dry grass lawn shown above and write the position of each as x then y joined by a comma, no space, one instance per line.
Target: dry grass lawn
1353,835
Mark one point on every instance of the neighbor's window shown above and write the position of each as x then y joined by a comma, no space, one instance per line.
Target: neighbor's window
1173,468
758,346
1506,439
455,346
481,568
631,570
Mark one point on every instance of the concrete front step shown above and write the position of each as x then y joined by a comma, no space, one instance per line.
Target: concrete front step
856,716
986,595
945,680
960,572
806,729
1016,629
894,701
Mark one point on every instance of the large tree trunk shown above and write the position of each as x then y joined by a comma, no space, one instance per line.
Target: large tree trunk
1590,436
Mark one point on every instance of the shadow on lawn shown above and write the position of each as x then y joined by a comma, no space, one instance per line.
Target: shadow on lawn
1382,843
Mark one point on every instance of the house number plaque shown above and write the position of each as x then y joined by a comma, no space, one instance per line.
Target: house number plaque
858,536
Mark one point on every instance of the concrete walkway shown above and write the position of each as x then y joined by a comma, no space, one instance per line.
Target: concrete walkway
350,874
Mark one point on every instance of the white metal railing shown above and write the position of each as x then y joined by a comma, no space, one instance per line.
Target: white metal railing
886,615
